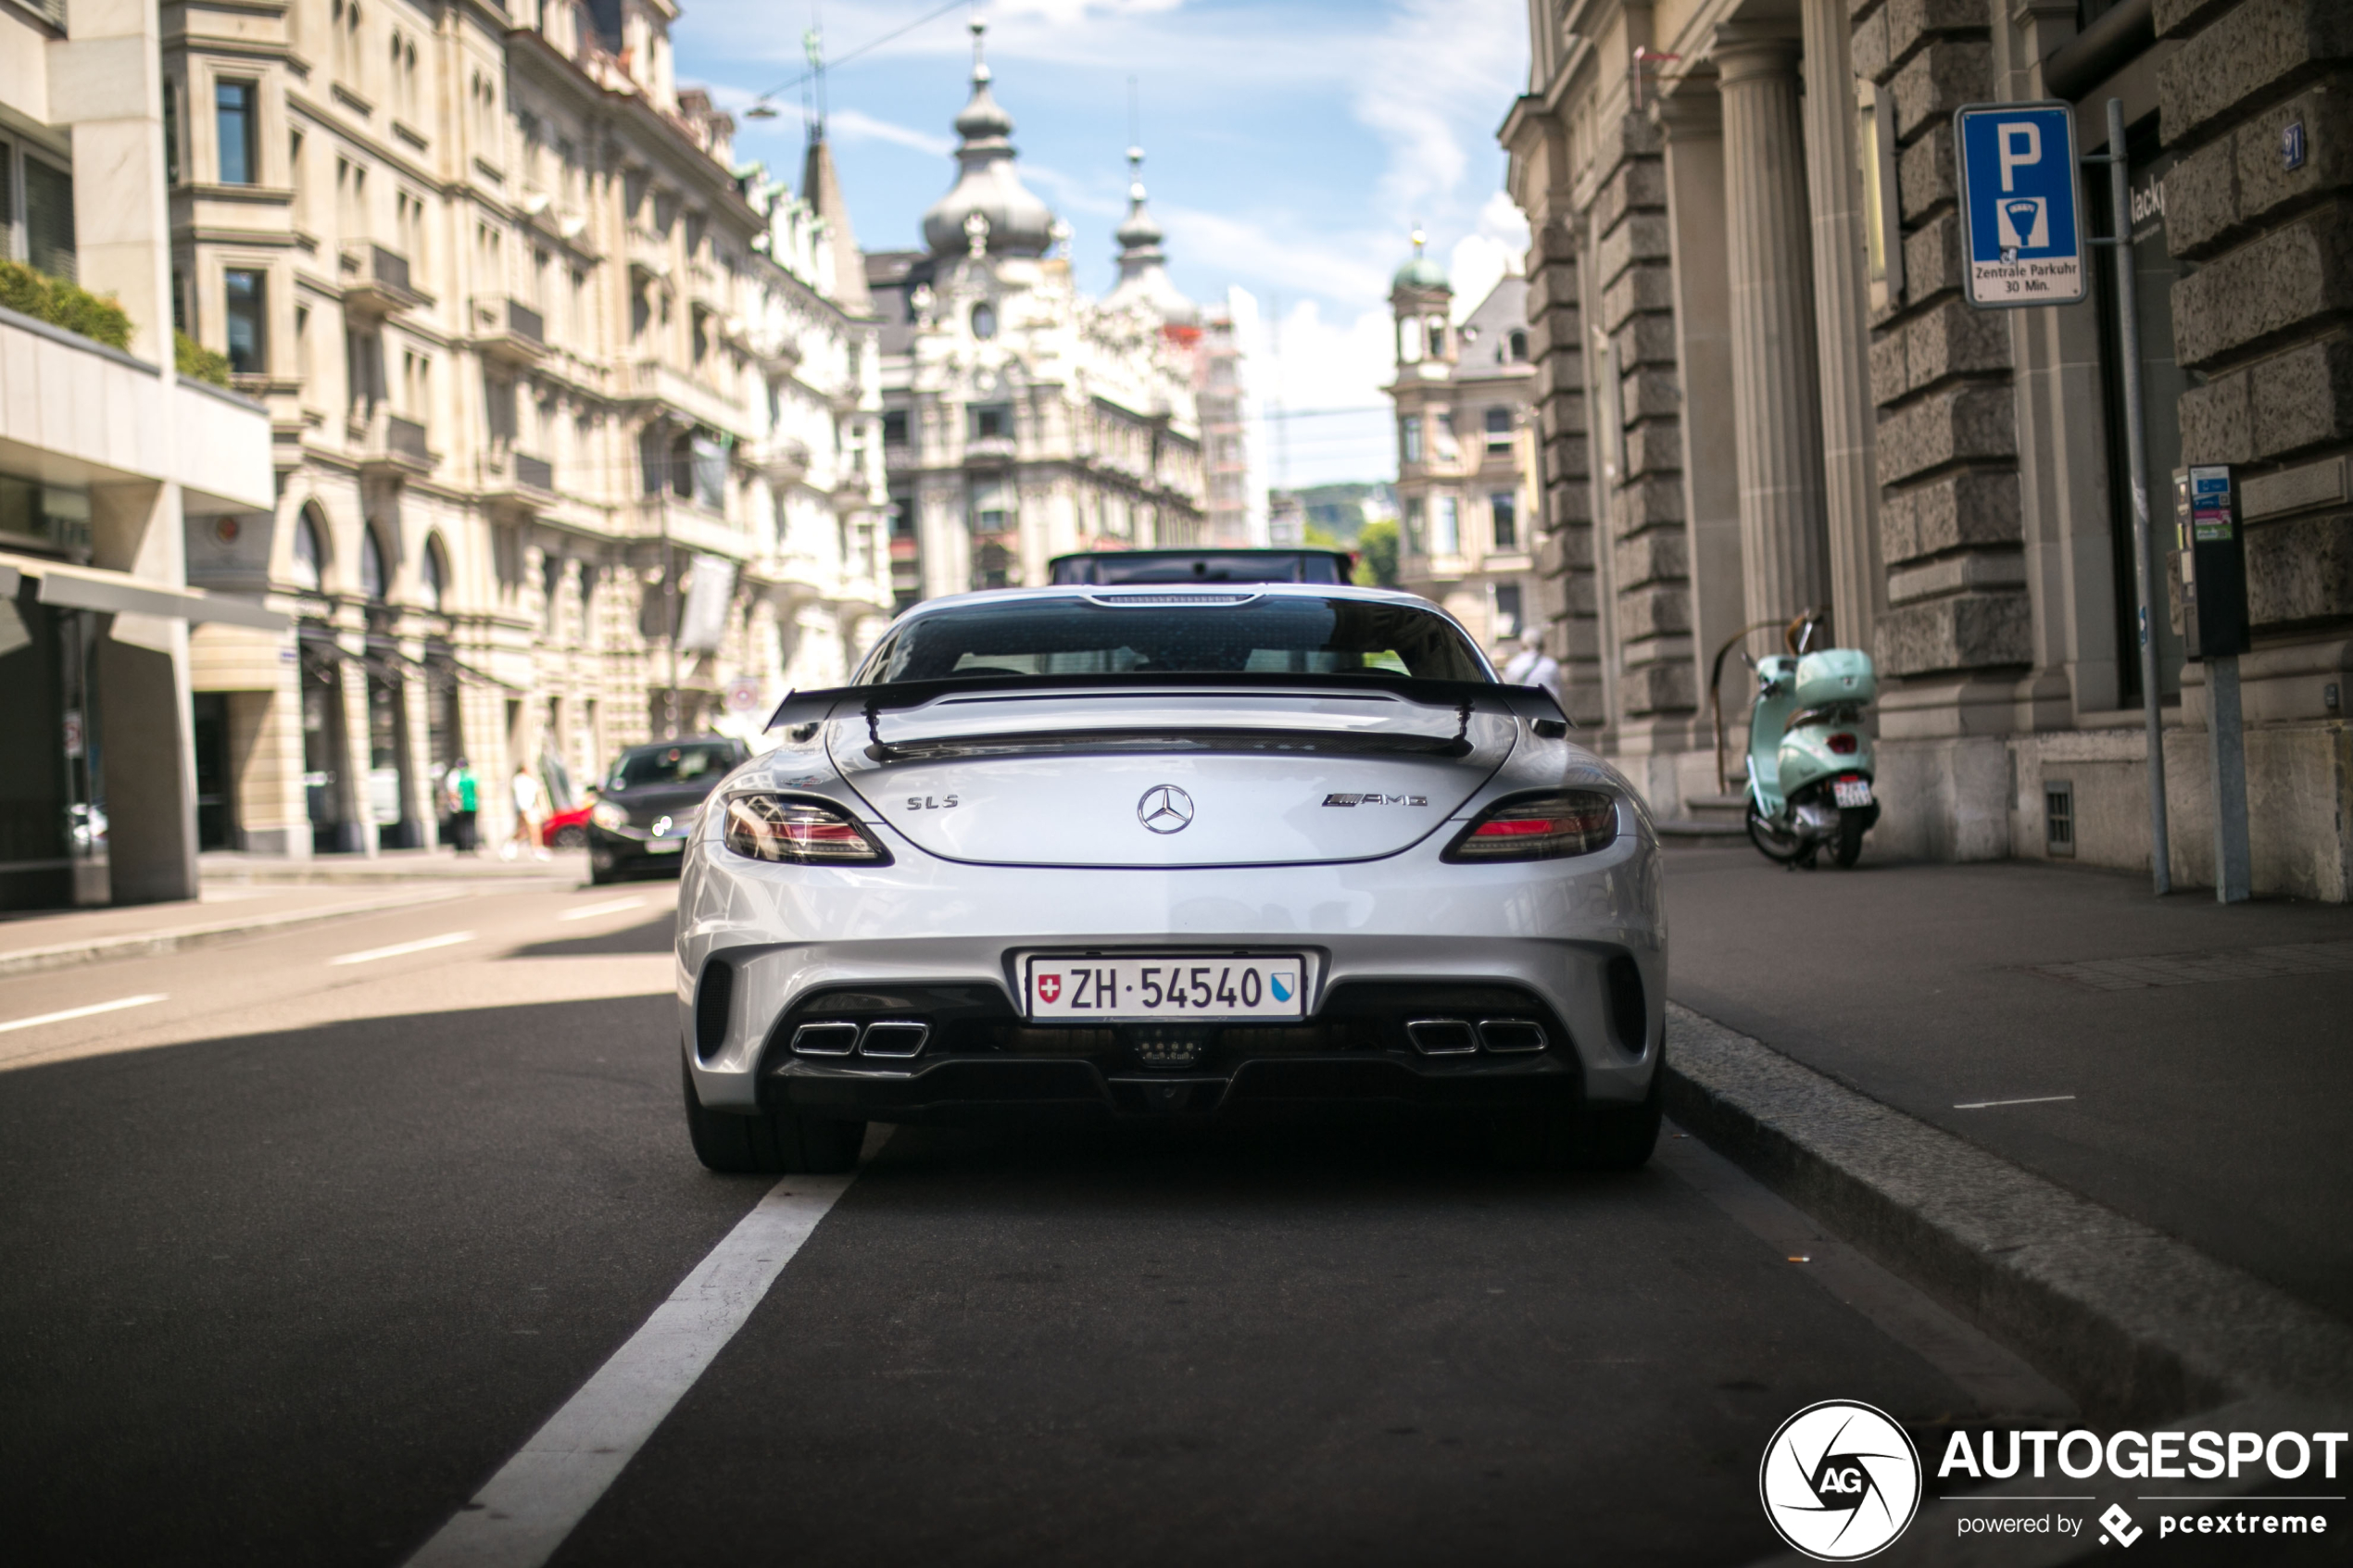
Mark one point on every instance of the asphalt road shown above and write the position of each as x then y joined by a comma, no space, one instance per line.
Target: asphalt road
2212,1109
299,1254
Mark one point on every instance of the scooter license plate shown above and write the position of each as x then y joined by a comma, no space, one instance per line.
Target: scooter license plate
1850,793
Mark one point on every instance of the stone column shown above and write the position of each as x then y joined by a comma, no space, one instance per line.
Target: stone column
1776,391
1692,120
1858,579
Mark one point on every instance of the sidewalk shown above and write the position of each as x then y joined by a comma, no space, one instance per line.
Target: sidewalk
2186,1064
222,867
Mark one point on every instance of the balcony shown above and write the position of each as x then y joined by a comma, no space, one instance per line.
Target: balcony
517,482
375,280
390,445
781,459
507,330
990,451
651,380
691,527
650,253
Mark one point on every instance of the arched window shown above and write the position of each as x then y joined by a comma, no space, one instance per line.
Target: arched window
371,566
436,576
984,319
1519,346
309,550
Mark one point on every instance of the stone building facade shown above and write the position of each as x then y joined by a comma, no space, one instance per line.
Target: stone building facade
1760,391
1023,420
1465,451
577,432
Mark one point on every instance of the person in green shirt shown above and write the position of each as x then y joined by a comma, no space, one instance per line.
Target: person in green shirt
465,799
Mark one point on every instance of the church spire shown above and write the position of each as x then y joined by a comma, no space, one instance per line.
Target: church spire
1018,223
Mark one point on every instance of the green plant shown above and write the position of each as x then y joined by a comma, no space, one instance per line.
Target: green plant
197,362
1377,554
63,304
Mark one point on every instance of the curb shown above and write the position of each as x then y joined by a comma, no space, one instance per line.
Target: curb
2135,1324
66,955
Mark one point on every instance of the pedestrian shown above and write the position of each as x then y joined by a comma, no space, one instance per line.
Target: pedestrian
525,836
465,798
1531,666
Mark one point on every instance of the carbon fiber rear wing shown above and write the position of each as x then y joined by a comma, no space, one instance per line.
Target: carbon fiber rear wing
1534,704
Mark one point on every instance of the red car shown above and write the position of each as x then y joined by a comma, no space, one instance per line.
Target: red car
567,829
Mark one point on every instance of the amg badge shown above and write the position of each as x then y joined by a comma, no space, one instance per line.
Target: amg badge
1377,800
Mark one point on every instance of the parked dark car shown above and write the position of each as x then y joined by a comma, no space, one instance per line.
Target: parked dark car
1103,567
650,801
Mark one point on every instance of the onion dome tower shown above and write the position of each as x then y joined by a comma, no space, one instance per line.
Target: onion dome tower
1422,301
1144,284
1012,221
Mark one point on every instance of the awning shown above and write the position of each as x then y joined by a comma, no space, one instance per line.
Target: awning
383,660
88,587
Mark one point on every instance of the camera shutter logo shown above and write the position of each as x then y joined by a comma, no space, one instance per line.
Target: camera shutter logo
1840,1481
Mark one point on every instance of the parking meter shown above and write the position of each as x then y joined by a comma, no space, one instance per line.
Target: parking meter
2213,561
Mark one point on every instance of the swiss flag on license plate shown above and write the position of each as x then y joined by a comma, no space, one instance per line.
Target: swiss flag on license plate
1050,986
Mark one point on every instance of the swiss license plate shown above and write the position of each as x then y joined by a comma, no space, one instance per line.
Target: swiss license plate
1851,792
664,845
1178,986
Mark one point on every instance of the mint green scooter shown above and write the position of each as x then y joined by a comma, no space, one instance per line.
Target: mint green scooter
1809,759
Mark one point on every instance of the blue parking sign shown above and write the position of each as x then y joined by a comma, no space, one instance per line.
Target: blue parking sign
2021,222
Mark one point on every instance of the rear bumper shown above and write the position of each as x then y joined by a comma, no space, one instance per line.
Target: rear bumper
1028,1091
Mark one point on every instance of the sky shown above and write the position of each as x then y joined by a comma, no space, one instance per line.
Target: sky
1291,146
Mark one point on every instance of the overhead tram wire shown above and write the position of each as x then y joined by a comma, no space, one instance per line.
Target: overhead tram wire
763,109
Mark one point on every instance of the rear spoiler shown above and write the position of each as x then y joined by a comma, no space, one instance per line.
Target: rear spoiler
1536,705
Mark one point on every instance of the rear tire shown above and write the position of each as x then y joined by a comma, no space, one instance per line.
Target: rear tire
774,1143
1775,846
1852,824
572,838
1605,1136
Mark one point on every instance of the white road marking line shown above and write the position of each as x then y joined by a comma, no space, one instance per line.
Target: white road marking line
1990,1104
424,945
614,908
90,1011
522,1513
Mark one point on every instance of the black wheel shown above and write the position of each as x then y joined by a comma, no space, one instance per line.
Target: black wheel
1852,825
604,866
768,1143
572,838
1776,846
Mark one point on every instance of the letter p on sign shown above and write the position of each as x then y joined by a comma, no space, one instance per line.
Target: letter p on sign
2021,144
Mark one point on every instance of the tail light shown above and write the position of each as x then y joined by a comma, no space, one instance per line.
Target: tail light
1843,744
776,827
1540,827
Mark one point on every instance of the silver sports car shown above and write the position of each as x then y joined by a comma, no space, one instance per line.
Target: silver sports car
1171,853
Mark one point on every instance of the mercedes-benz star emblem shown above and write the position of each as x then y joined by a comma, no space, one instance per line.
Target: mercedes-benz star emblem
1165,809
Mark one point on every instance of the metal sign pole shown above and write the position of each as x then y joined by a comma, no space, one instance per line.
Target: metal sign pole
2137,459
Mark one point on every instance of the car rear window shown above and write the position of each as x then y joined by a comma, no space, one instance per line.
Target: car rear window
645,765
1172,634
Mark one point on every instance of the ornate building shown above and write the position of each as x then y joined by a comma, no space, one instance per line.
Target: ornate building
1760,391
576,424
1466,455
1021,420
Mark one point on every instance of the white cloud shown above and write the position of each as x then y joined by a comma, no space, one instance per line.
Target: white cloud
1480,259
1440,72
1070,13
856,125
1320,364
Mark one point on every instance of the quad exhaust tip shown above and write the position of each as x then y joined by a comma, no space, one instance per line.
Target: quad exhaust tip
1456,1036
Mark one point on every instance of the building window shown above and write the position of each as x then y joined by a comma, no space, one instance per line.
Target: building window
1415,514
1518,342
1409,439
48,219
992,423
992,508
309,552
234,119
171,133
983,320
1505,508
247,297
1444,537
2058,816
1506,616
434,577
1499,430
371,566
895,427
